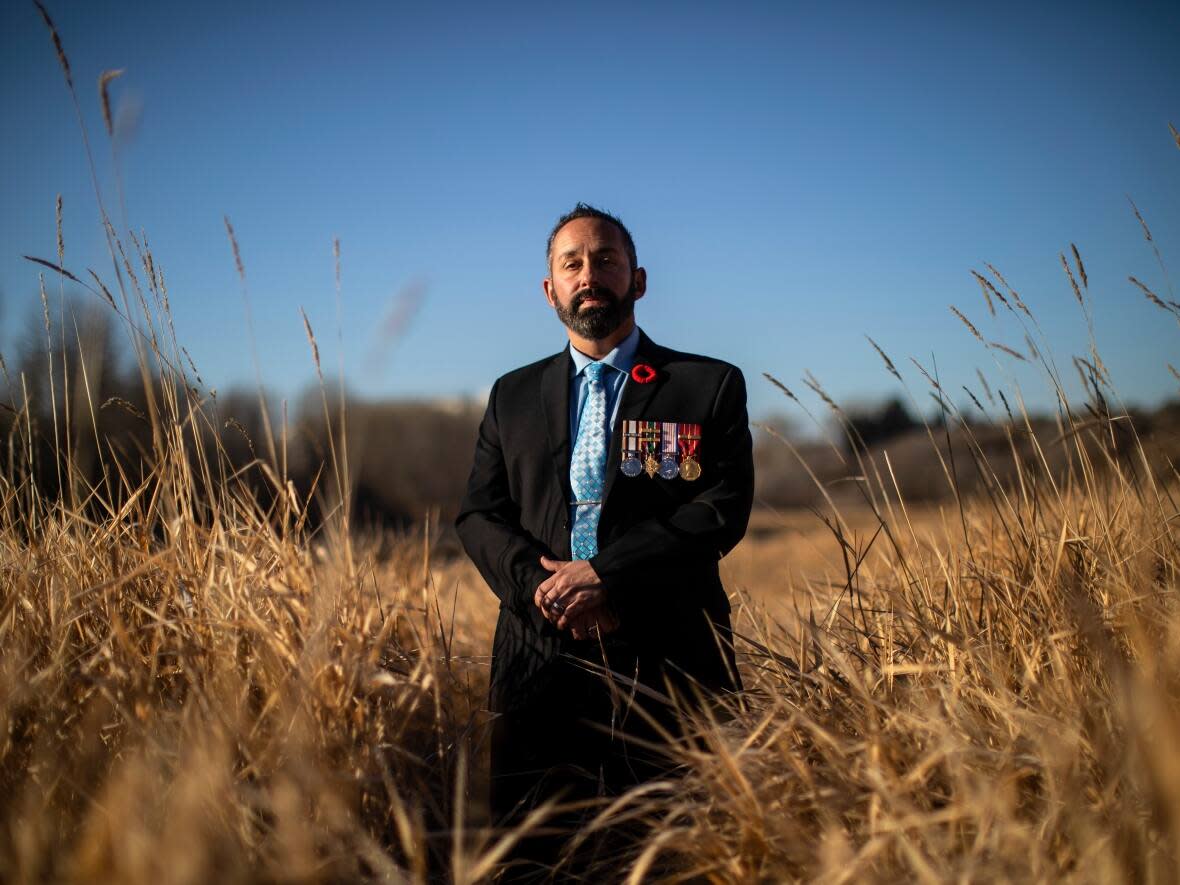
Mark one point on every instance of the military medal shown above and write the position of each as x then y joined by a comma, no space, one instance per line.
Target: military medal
690,439
650,432
631,465
669,466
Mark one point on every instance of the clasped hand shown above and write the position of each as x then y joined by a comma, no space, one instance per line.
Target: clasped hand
573,599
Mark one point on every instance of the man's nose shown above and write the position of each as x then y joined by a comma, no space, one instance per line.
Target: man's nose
588,278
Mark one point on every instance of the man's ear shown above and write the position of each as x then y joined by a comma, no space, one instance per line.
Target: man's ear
547,287
639,282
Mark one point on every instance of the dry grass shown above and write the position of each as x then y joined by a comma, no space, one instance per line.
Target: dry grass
194,689
997,708
199,688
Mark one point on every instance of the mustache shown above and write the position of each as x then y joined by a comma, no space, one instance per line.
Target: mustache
582,295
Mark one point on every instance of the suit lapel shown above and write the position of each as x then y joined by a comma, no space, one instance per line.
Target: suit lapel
555,400
636,400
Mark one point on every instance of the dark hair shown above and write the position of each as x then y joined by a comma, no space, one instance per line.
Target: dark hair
584,210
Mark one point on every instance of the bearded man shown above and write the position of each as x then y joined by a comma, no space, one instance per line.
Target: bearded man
608,481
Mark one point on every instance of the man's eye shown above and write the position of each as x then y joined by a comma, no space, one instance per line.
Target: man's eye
571,265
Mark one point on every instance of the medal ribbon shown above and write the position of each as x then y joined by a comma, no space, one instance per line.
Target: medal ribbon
649,432
668,447
690,440
630,438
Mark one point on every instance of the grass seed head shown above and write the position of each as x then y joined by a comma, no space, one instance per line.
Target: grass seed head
233,241
57,47
966,322
1077,257
104,82
888,362
1077,293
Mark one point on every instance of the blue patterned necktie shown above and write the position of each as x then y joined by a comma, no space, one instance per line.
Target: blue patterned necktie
588,465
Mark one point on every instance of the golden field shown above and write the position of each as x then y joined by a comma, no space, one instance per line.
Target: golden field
195,690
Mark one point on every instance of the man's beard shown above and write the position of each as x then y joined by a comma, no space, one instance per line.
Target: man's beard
600,320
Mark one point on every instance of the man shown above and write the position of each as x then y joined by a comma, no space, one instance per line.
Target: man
608,481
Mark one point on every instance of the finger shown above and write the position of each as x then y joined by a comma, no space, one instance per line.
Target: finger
553,606
560,583
559,591
575,608
552,564
567,620
550,605
582,600
546,586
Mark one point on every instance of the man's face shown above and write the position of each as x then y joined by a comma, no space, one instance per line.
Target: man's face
591,285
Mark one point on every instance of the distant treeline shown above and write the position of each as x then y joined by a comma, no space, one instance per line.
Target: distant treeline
72,399
917,458
408,459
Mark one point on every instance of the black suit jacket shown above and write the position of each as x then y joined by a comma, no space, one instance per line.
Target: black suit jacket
659,540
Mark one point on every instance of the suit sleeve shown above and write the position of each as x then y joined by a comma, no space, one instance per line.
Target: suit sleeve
489,527
708,526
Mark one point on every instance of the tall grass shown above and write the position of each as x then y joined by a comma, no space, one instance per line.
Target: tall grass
1002,709
999,706
199,685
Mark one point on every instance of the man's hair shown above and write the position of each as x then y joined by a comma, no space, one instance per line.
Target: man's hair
584,210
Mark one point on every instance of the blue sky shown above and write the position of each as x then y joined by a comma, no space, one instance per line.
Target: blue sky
795,175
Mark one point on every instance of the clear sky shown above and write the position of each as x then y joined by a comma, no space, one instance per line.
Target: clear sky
795,175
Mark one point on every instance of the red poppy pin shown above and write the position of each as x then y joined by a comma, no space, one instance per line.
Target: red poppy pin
642,373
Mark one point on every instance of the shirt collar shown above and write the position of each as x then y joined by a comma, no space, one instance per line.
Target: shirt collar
621,358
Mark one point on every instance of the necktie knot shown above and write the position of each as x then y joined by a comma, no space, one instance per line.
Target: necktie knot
594,372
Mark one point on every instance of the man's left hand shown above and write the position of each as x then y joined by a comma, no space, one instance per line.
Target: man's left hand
572,589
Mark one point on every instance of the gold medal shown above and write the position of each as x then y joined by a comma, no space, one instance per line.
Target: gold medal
651,465
690,441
